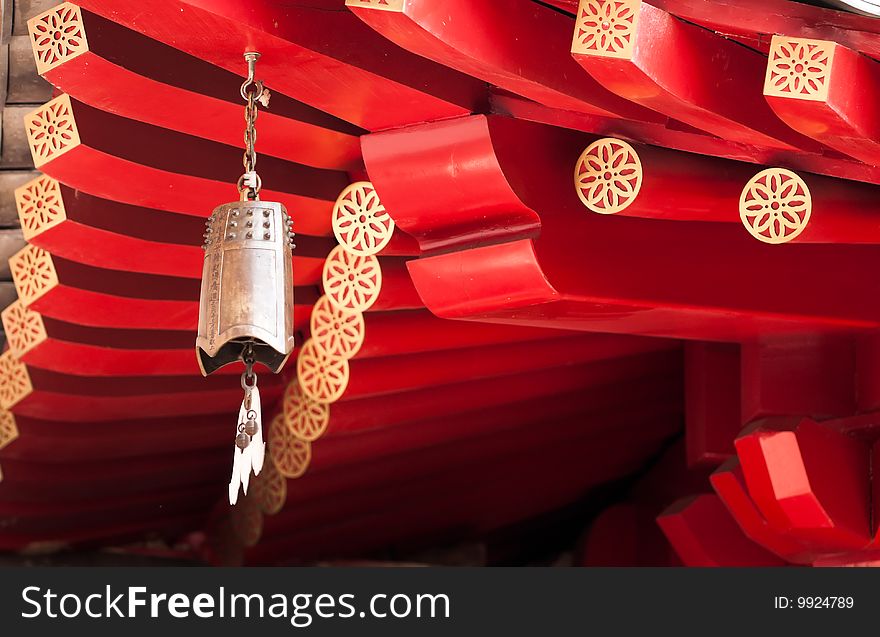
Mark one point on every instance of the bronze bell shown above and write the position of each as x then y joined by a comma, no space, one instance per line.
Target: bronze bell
247,286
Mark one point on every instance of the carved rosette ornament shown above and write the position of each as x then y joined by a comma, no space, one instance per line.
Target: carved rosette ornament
608,176
33,273
351,282
270,488
798,68
606,28
304,416
40,206
381,5
336,332
8,428
24,328
15,382
57,36
360,221
51,130
292,455
775,205
322,377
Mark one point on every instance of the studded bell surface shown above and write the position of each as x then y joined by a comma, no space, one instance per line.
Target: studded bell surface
247,286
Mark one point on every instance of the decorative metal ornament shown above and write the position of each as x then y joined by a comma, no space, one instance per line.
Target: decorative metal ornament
246,302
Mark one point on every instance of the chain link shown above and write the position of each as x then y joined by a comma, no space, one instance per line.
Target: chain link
252,91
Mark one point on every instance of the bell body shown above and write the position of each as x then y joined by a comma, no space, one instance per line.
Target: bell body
247,286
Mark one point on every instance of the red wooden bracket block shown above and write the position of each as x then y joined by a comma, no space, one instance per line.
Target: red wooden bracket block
828,92
121,71
520,47
729,483
625,534
811,376
158,168
712,401
703,534
77,293
385,87
691,74
107,234
809,482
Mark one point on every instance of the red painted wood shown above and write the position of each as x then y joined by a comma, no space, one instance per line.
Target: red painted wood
88,351
57,442
752,18
110,298
397,291
128,74
729,483
589,403
703,534
810,377
194,179
686,138
520,47
624,534
78,398
118,236
377,480
461,512
533,283
378,376
810,482
847,118
385,87
407,332
348,416
712,401
695,76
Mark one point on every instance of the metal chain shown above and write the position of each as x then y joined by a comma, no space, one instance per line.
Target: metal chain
252,91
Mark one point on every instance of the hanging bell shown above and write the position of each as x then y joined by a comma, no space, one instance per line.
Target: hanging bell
246,302
247,286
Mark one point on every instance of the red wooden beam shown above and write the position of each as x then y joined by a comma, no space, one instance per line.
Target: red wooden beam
39,393
116,69
828,92
80,145
107,234
519,47
386,87
691,74
534,283
77,293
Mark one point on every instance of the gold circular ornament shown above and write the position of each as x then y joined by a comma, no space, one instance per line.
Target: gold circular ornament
360,221
608,176
775,205
336,332
322,377
270,488
305,416
351,282
247,522
291,455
